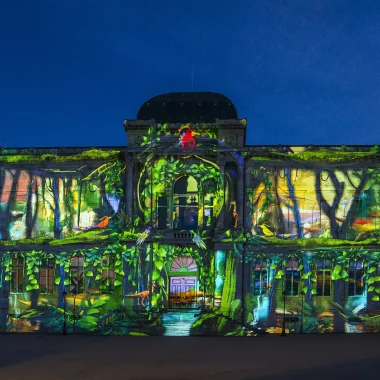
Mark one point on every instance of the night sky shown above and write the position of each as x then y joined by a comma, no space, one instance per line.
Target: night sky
300,71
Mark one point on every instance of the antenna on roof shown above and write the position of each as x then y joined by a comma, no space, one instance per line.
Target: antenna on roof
192,76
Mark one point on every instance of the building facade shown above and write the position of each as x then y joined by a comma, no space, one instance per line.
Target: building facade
186,230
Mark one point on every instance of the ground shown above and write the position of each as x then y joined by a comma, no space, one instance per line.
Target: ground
335,356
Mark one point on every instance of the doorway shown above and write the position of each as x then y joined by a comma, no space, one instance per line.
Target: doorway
184,286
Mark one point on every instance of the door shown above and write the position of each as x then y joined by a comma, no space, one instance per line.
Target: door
183,292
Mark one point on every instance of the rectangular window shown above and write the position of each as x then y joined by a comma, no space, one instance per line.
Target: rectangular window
185,204
162,212
260,280
208,207
108,275
185,212
47,276
17,275
77,275
292,277
355,278
324,278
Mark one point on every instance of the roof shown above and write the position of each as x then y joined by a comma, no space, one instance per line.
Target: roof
192,107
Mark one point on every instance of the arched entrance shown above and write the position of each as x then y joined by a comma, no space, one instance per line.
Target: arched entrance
184,286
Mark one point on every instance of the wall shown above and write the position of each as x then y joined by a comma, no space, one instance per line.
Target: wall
66,225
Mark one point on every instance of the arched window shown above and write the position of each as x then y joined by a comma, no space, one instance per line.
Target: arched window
185,204
184,264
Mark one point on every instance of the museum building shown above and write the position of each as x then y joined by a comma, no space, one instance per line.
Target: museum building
187,230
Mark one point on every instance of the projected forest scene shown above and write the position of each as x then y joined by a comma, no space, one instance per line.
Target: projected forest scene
59,199
188,235
321,203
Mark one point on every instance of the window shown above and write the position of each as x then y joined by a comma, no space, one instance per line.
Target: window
185,204
162,212
76,276
17,276
47,276
260,278
108,275
324,278
208,206
184,264
292,277
355,278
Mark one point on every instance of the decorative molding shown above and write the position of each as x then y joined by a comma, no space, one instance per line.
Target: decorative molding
230,140
235,122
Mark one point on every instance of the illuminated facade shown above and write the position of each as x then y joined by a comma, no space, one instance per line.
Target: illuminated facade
186,230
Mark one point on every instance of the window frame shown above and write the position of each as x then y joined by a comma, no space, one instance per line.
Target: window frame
323,272
77,269
50,275
355,278
17,269
110,288
294,290
259,269
209,208
175,207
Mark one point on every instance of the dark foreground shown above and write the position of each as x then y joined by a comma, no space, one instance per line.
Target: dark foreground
269,357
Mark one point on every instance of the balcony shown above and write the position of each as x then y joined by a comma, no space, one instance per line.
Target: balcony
179,235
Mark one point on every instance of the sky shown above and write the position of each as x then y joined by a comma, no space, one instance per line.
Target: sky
301,72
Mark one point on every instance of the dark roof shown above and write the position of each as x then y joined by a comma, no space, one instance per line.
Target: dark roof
192,107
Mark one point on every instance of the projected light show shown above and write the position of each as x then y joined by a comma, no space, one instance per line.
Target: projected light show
188,231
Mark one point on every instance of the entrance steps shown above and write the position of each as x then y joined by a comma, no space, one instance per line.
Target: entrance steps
178,322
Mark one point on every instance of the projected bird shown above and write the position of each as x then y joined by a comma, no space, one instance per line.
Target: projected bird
266,230
103,224
269,233
198,241
360,224
144,236
187,138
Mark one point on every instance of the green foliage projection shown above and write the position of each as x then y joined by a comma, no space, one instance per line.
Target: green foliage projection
318,155
113,304
92,154
157,179
161,130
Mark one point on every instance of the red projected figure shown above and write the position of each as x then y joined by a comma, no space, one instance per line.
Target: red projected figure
187,137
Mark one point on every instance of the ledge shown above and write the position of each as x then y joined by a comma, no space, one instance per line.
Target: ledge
89,237
92,154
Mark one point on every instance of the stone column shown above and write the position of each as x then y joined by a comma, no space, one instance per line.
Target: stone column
129,190
240,198
170,204
4,295
247,222
371,305
220,225
339,298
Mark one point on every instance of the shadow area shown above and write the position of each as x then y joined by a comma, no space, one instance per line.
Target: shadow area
17,348
359,369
